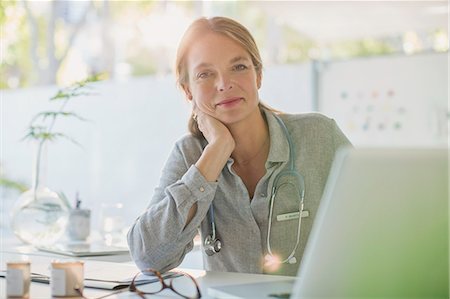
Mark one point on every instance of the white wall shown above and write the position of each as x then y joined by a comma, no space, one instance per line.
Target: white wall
289,88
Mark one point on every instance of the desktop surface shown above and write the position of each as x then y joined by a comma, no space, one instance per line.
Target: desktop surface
111,270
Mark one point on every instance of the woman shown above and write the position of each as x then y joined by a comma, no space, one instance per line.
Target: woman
219,178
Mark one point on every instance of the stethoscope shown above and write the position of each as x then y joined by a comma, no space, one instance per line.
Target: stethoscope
212,243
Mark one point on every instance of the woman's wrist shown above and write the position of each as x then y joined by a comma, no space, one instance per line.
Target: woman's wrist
223,146
213,159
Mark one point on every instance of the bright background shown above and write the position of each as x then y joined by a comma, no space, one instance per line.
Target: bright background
379,68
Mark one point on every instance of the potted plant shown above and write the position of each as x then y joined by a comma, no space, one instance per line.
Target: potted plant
40,215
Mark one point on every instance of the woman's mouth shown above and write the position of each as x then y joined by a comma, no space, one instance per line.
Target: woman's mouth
229,102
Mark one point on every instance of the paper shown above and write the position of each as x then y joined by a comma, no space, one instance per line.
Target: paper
98,283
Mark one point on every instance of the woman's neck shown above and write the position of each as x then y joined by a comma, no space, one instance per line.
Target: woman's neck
251,138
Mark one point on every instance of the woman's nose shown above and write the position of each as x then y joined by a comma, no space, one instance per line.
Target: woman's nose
224,83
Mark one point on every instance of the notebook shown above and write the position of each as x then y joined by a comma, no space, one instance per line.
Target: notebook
381,231
83,249
100,283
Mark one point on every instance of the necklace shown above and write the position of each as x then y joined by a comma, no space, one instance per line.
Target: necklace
260,150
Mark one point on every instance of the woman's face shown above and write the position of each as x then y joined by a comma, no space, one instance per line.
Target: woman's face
222,79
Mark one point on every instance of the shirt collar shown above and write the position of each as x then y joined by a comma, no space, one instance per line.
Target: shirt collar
279,146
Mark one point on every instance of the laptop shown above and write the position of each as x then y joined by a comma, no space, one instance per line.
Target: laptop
381,231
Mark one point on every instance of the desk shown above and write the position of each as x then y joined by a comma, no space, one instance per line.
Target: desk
38,259
10,244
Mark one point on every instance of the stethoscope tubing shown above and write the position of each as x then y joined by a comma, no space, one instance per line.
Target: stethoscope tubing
272,198
213,223
269,248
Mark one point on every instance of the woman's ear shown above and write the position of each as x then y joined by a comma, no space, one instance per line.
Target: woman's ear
187,92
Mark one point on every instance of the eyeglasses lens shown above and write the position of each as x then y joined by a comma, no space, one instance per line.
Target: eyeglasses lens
184,286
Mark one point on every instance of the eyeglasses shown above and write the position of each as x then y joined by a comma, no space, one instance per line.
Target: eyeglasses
181,283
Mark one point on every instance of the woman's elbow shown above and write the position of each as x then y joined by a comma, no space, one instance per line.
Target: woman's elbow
145,252
139,248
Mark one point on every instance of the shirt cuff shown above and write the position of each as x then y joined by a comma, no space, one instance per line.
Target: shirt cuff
199,188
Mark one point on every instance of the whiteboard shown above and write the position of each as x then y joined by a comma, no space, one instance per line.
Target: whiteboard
388,101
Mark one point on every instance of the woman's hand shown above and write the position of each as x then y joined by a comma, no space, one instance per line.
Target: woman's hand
214,130
220,145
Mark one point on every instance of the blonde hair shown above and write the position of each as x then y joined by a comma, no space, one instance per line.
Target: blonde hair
221,25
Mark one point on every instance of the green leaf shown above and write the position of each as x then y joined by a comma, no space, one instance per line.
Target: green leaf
34,132
72,114
60,95
71,91
71,139
67,95
39,133
10,184
44,133
43,115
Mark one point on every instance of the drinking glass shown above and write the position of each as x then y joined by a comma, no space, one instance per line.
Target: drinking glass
112,223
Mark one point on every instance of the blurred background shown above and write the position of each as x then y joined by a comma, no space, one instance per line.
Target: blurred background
379,68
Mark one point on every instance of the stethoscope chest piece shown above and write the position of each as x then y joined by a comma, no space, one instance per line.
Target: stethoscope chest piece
212,245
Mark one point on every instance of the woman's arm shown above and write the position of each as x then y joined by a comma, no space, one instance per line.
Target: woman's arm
210,165
163,234
215,155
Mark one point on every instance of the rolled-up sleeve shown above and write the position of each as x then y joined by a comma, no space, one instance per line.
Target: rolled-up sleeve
160,238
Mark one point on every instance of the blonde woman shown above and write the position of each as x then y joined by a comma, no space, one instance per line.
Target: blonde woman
247,177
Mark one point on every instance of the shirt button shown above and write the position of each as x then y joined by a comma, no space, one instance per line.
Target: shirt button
263,194
202,189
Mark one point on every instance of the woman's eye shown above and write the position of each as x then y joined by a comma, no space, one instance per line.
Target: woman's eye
203,75
240,67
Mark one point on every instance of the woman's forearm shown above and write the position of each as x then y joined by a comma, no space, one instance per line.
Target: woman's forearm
213,159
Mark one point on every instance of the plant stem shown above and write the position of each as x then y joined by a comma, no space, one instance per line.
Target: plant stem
42,140
38,166
41,144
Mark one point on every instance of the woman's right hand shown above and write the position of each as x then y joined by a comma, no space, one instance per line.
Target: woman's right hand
215,132
220,145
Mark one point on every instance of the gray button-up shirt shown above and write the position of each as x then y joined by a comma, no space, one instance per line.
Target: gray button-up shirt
159,239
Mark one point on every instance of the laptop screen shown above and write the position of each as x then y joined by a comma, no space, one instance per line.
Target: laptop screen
382,228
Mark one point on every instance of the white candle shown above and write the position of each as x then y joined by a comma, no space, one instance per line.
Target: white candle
67,278
18,279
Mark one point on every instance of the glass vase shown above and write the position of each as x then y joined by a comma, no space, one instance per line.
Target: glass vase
40,215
